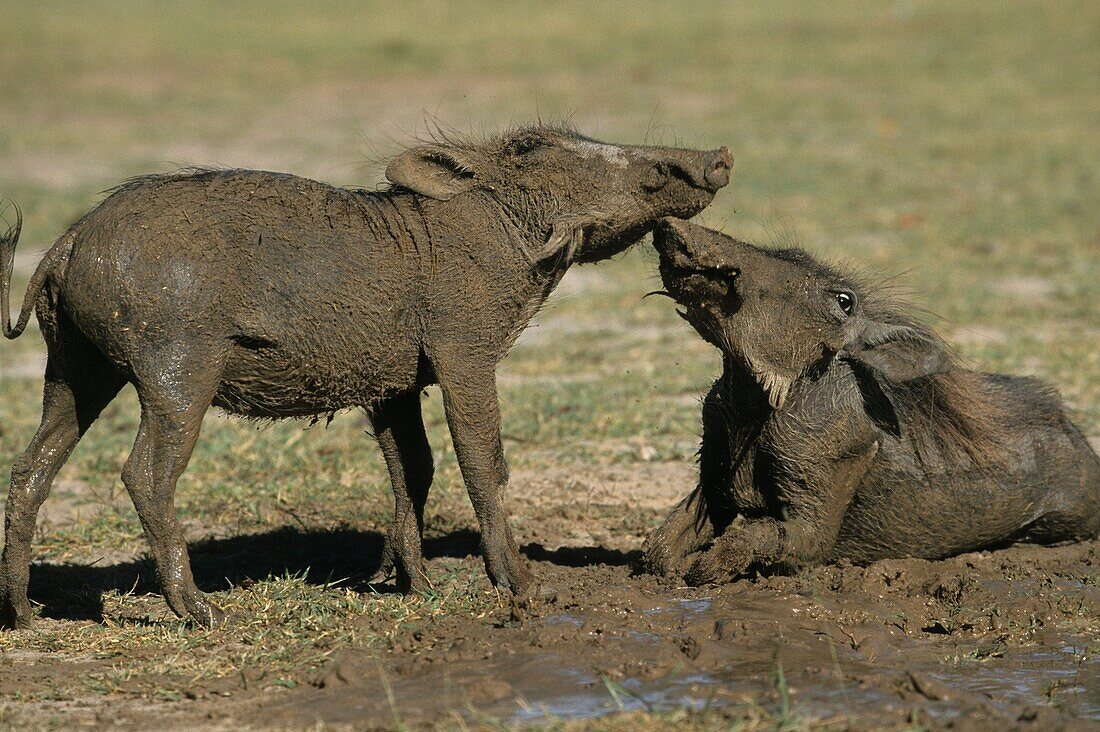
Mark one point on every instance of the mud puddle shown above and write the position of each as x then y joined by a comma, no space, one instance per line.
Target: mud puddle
1002,640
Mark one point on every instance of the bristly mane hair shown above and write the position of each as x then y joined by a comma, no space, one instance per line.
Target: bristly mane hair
440,134
188,171
484,142
959,413
437,133
475,143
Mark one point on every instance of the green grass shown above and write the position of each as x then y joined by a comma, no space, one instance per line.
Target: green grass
954,143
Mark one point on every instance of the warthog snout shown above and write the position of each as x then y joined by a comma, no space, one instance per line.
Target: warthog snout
683,252
708,170
669,235
718,171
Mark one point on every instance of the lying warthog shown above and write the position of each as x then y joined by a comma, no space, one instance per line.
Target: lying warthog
274,296
841,428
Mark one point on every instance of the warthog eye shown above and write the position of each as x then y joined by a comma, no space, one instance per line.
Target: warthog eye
846,302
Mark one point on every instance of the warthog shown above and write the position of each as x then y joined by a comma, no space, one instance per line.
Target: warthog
274,296
842,428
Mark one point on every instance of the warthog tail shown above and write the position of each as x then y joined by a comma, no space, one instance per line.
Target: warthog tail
7,263
8,240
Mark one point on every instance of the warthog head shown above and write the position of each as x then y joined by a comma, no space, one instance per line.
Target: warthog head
566,192
780,314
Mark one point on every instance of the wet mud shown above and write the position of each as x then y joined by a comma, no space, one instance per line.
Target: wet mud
999,639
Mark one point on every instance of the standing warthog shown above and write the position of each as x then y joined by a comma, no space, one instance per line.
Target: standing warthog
841,428
275,296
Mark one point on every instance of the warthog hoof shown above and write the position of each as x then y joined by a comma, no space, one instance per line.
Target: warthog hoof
508,571
197,607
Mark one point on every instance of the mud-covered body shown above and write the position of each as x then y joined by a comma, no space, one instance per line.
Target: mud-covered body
841,429
275,296
909,501
312,308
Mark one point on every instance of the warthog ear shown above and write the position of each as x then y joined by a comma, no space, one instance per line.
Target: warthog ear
433,171
898,352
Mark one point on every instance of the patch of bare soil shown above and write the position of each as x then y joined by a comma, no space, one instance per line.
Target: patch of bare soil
991,640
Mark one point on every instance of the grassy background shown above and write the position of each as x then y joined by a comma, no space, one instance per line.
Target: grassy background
954,143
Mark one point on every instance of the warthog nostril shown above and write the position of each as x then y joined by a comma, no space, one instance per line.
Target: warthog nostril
718,172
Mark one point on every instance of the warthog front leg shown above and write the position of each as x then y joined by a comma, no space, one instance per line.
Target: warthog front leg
761,540
686,530
707,510
473,415
815,512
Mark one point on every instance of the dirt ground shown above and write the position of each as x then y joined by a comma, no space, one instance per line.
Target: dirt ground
992,640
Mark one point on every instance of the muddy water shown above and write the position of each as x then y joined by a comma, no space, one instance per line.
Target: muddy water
999,639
